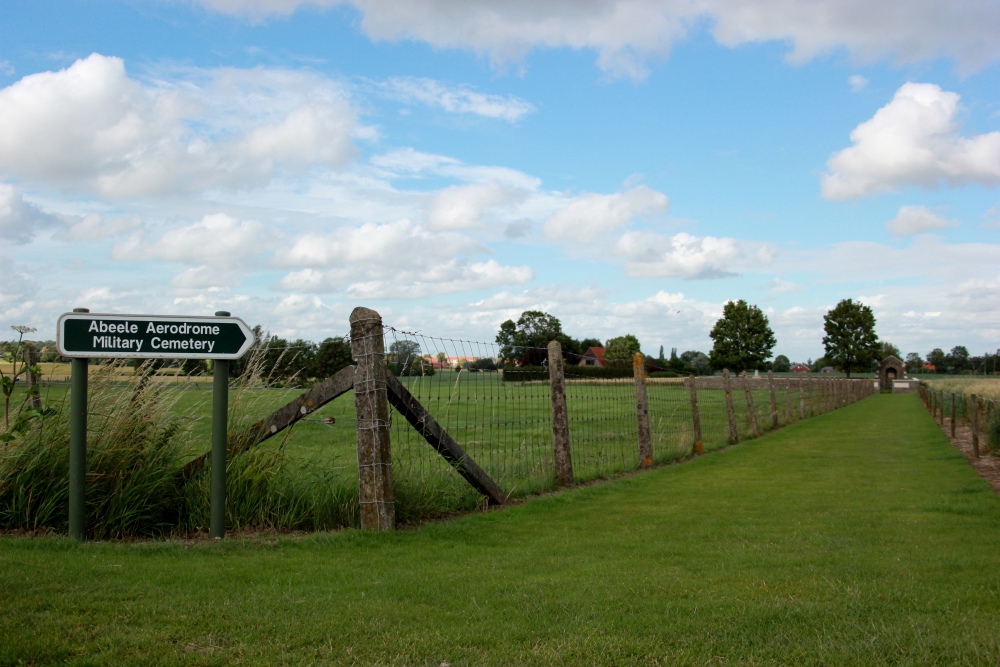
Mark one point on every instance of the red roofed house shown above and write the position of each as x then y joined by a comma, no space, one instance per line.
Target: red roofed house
594,356
799,367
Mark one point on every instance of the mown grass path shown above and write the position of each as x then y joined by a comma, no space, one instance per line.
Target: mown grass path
856,537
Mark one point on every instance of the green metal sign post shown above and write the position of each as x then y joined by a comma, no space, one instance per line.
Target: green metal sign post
83,335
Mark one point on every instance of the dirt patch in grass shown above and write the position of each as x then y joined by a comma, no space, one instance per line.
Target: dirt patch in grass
987,465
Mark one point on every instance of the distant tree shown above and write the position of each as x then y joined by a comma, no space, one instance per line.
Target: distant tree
850,341
819,364
887,349
332,355
194,367
743,338
938,359
526,340
588,343
661,353
620,350
958,359
404,353
442,357
781,364
914,363
698,361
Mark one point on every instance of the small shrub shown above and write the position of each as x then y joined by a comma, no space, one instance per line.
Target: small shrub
993,430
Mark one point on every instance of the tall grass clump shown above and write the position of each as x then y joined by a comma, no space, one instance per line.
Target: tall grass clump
132,454
993,429
265,489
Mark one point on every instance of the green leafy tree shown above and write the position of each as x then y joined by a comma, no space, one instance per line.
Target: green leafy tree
743,338
332,355
619,351
914,363
697,360
782,364
405,353
938,359
850,341
958,359
526,340
887,349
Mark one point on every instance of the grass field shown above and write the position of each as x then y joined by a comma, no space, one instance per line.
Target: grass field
988,387
860,537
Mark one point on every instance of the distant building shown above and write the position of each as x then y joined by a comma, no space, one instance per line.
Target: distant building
929,367
594,356
799,367
826,369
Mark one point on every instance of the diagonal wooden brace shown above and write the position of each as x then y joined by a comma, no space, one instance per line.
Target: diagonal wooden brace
407,405
340,383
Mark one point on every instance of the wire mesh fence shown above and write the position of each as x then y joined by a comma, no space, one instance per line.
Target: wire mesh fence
502,416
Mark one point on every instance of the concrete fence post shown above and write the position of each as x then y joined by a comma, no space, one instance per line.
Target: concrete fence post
642,411
699,447
375,488
734,434
560,417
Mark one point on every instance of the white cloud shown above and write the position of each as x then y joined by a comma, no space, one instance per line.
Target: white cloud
95,227
857,83
917,220
458,99
217,240
628,33
650,255
461,206
913,140
20,220
90,127
779,286
590,215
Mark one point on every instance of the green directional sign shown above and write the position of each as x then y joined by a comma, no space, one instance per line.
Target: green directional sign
94,335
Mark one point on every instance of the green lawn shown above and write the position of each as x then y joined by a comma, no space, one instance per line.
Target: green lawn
857,537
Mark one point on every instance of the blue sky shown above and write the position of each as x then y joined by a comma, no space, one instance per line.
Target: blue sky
628,167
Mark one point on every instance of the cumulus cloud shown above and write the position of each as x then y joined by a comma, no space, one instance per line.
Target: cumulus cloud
460,99
590,215
857,83
20,220
461,206
398,260
91,127
917,220
651,255
629,33
914,140
217,240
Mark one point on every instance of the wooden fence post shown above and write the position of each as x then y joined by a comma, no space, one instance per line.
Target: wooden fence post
774,401
375,489
788,401
560,417
734,434
31,380
696,418
953,414
802,399
940,408
974,423
642,410
750,406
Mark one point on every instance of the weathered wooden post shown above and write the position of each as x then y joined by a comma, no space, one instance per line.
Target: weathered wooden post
750,406
802,399
699,447
642,411
940,407
953,414
560,417
734,434
788,401
774,401
974,423
375,488
31,381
